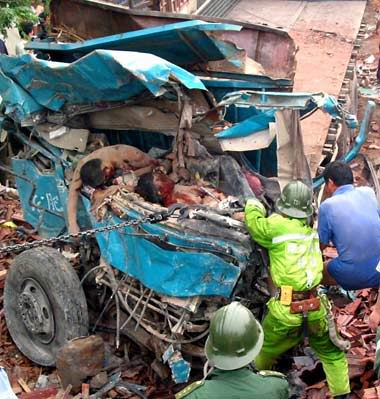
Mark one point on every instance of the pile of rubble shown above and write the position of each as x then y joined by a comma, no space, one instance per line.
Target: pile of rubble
352,321
367,68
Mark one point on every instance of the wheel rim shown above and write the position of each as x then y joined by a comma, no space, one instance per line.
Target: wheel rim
36,311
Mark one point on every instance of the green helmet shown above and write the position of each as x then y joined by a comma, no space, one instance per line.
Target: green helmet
295,200
235,338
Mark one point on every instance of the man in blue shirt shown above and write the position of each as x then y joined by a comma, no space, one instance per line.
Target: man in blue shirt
350,220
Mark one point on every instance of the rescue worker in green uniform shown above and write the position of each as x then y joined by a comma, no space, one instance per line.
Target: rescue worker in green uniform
235,339
295,269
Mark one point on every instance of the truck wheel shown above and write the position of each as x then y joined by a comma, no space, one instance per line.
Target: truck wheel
44,304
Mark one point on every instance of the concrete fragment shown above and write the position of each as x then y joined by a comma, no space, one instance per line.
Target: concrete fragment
80,358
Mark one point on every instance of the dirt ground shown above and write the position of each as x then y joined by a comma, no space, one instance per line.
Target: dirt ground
325,38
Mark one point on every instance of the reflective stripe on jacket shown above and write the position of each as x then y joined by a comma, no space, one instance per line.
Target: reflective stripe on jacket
294,253
293,246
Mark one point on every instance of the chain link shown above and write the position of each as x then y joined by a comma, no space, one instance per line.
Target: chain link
153,218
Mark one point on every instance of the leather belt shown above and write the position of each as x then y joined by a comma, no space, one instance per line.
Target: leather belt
302,295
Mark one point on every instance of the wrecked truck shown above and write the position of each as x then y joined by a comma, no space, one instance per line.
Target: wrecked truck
153,273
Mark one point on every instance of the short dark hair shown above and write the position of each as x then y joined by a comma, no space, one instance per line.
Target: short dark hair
42,17
26,27
91,173
147,189
339,173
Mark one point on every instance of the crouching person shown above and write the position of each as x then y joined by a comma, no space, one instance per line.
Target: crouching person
296,268
235,339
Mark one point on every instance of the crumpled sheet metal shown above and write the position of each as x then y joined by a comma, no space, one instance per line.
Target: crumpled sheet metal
273,48
180,368
169,261
102,76
254,124
183,43
17,101
40,198
265,105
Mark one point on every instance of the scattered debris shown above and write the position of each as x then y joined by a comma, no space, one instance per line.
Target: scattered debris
352,324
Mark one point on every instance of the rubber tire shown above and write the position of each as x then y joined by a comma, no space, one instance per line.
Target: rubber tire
68,303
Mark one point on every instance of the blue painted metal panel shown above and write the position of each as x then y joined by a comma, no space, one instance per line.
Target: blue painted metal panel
250,125
258,80
40,198
98,77
18,103
170,270
180,368
182,43
307,103
232,82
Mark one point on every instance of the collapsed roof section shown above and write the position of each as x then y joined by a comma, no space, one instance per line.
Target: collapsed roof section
122,90
184,43
29,85
105,87
272,48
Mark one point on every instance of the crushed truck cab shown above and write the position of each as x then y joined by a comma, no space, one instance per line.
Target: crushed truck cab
227,136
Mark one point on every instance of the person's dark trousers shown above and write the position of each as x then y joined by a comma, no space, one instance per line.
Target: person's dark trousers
3,47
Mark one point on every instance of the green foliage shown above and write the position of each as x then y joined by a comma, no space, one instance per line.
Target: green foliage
14,12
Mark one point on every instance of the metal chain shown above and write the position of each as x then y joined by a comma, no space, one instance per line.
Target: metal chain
153,218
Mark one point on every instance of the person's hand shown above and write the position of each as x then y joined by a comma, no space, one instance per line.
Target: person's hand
256,203
374,319
240,216
74,229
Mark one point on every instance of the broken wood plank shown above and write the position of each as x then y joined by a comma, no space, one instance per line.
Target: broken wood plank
64,394
24,385
85,391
